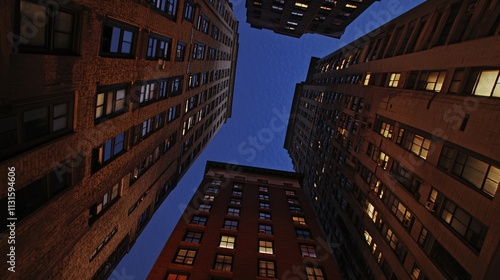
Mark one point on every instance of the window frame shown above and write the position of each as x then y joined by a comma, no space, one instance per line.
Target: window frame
185,259
104,52
267,269
156,49
166,11
48,47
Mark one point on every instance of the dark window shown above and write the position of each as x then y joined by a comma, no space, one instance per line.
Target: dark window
189,11
405,178
158,47
108,151
180,51
34,195
166,7
265,229
193,237
199,220
176,86
223,262
267,269
464,224
118,39
173,113
447,263
57,34
302,233
231,224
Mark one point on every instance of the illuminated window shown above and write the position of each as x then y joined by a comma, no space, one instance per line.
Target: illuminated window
367,79
301,5
394,79
264,216
299,220
487,84
432,81
351,6
266,247
227,242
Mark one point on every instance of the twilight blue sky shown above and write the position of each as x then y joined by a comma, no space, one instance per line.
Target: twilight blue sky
269,66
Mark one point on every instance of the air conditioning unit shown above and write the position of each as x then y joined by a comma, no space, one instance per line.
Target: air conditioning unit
431,206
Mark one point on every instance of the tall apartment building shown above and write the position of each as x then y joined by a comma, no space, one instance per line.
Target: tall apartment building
397,135
104,106
295,18
247,223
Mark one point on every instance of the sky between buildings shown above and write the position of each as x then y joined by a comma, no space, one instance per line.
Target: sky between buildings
269,66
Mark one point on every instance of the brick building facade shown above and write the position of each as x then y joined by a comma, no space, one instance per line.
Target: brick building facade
247,223
104,106
397,136
295,18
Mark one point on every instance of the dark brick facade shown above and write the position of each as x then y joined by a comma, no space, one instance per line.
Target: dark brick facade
48,100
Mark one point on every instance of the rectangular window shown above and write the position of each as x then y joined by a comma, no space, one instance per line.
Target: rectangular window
118,39
227,241
394,79
44,30
264,216
386,130
108,151
176,86
295,209
193,237
148,92
267,269
487,84
189,9
289,192
223,262
314,273
308,251
167,8
205,25
477,173
235,201
405,178
231,224
302,233
104,202
180,51
185,256
263,197
199,220
158,47
173,113
204,207
266,247
199,51
263,189
432,81
264,205
233,211
237,193
464,224
417,144
265,229
299,220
